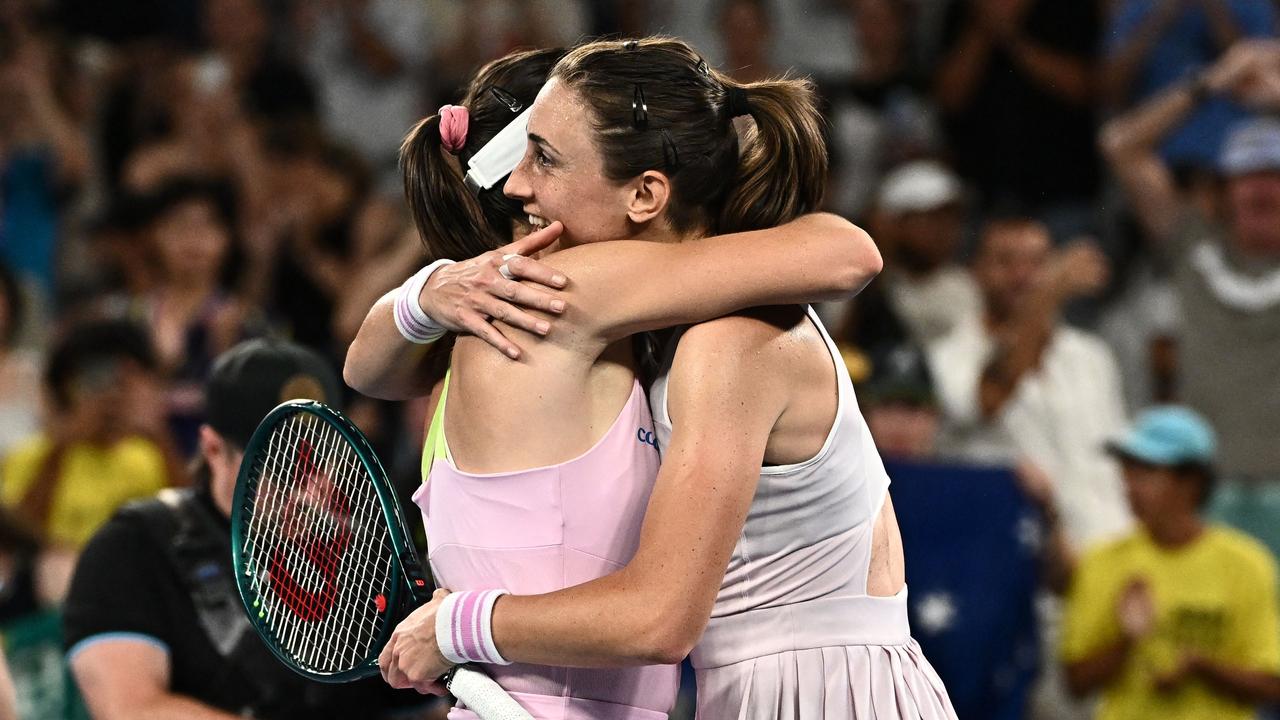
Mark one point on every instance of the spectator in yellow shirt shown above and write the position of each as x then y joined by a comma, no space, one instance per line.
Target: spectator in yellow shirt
104,442
1179,618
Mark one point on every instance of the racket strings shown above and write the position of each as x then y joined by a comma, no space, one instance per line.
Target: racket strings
317,549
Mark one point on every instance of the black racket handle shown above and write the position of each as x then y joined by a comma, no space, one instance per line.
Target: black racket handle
419,584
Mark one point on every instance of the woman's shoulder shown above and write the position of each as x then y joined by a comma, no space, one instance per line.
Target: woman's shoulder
745,342
751,328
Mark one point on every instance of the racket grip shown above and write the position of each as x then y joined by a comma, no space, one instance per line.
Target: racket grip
485,697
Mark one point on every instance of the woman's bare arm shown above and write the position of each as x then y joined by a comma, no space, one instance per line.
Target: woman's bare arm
624,287
619,288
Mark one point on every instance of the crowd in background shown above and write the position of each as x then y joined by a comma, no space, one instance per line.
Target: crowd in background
1078,202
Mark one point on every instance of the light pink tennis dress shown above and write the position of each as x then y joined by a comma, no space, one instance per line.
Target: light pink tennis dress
541,530
793,634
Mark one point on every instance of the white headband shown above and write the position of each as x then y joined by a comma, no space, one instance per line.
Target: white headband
500,155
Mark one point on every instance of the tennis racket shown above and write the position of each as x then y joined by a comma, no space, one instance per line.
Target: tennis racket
322,559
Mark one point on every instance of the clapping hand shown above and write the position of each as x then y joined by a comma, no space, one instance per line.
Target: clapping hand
1080,269
1250,71
1135,610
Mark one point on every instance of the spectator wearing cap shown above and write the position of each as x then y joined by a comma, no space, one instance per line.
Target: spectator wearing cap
1179,618
1225,275
919,219
153,623
899,404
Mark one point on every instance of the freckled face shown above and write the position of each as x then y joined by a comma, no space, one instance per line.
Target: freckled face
561,176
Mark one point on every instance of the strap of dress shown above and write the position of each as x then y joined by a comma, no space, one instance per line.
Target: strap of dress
435,445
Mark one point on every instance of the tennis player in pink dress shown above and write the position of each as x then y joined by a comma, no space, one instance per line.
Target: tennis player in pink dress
769,551
540,530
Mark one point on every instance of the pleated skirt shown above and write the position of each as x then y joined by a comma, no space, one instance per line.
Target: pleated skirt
866,682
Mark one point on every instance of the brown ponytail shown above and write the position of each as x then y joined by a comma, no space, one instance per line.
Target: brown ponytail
447,214
782,169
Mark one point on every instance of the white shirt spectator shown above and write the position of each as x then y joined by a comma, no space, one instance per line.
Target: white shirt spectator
1059,417
933,305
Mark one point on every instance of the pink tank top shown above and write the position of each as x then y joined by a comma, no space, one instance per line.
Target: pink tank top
540,530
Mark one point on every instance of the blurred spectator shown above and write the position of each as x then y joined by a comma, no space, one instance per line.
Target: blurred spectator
369,58
1179,618
267,82
104,442
44,153
899,403
973,576
1224,274
118,251
880,117
465,34
1152,44
1015,382
19,369
1016,84
323,218
189,226
208,134
918,222
746,29
154,624
810,36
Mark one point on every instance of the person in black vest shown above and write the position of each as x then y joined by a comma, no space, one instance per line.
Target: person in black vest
153,624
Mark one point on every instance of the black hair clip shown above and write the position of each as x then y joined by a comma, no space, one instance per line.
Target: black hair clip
630,45
702,67
670,155
639,109
506,98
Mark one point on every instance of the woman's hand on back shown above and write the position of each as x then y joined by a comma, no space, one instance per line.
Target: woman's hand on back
464,297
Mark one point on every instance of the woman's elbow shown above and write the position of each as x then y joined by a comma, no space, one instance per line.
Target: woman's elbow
352,375
666,647
668,637
861,263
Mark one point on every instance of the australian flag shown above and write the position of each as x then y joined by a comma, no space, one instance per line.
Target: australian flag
972,542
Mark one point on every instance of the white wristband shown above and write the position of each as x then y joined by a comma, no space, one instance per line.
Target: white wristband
464,627
414,324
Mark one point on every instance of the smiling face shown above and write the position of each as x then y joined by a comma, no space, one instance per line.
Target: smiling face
562,177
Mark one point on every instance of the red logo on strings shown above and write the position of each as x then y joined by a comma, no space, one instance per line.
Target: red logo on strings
324,553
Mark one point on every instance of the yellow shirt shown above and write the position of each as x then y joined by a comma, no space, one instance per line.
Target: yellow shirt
93,482
1216,596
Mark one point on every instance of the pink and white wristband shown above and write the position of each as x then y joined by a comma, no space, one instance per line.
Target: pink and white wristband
414,324
464,627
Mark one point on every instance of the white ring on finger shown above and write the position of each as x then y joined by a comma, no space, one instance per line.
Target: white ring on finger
505,271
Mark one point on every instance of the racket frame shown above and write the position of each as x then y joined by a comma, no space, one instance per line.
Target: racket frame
405,562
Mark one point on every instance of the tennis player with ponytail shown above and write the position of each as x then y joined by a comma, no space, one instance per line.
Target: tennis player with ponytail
570,408
769,550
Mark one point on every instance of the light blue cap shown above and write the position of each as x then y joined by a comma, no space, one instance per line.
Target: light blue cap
1167,435
1251,146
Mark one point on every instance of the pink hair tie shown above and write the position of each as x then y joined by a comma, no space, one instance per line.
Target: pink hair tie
454,121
